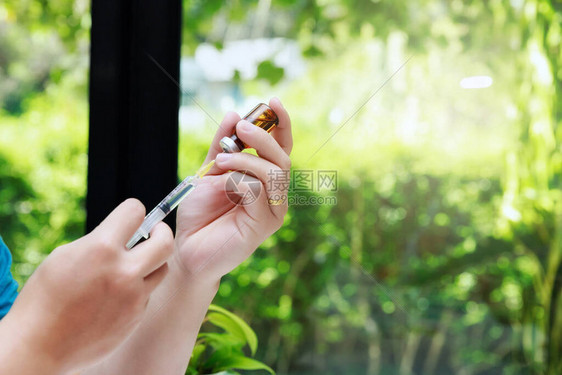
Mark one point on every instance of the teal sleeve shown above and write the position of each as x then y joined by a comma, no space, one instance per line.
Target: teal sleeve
8,286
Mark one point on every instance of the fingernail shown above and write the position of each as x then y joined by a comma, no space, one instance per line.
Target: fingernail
278,101
247,127
223,157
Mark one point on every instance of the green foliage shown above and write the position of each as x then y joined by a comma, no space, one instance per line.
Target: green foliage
233,324
223,352
443,252
43,177
40,42
444,231
268,71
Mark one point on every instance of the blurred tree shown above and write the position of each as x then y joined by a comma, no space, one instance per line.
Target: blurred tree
443,252
452,241
39,42
532,201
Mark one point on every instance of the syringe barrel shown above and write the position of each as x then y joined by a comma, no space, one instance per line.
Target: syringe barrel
163,208
154,217
173,199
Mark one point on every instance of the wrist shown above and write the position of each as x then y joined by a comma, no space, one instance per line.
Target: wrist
182,273
21,353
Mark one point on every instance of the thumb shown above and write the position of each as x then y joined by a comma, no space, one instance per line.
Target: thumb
122,222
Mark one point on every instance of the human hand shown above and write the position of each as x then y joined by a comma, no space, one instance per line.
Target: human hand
86,297
214,234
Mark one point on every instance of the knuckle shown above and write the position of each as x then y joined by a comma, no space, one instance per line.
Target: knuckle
168,243
240,123
105,245
124,278
130,272
166,238
170,240
122,284
286,162
231,117
135,207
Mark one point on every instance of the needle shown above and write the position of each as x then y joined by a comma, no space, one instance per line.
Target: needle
168,204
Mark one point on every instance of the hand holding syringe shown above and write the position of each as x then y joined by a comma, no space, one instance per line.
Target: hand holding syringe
168,204
261,116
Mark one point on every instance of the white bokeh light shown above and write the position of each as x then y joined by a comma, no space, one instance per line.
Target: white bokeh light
476,82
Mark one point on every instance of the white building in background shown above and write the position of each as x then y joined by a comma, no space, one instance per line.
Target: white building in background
208,77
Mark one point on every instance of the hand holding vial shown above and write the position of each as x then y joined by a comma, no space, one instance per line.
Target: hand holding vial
214,234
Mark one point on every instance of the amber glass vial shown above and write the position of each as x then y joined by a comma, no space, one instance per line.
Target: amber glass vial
263,116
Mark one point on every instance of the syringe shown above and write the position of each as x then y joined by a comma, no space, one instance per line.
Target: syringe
168,204
261,116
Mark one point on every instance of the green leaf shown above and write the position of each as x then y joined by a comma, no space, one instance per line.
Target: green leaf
196,353
270,72
236,78
222,340
220,357
235,325
228,324
312,51
244,363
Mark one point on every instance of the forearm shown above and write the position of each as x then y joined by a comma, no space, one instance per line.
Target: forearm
19,356
163,342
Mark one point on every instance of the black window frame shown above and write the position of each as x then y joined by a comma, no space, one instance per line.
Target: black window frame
134,101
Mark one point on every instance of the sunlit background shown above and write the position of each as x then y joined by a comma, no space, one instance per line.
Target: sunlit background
438,250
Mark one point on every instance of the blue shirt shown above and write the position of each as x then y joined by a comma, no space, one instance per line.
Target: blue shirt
8,286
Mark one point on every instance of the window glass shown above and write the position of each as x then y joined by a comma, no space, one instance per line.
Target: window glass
423,229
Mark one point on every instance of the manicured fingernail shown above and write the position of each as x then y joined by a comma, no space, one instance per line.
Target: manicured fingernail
247,127
223,157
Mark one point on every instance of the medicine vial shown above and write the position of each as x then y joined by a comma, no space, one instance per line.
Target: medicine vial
262,116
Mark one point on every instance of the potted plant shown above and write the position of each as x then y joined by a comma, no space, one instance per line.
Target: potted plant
222,352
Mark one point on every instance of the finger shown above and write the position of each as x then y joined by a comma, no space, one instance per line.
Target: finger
151,254
282,133
264,144
245,190
226,129
208,198
155,278
247,163
274,179
122,222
